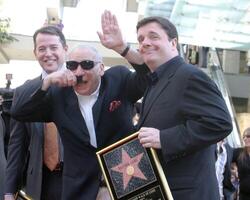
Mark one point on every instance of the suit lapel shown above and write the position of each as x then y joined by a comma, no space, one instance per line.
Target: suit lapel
96,110
154,94
165,75
73,111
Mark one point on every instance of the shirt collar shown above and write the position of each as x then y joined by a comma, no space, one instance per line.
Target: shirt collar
153,77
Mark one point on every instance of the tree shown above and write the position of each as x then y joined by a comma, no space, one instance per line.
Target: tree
5,37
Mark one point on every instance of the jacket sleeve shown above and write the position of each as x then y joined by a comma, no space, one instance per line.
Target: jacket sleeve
31,103
137,82
17,157
205,118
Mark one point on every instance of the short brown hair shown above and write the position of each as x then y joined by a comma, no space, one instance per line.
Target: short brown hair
51,30
166,25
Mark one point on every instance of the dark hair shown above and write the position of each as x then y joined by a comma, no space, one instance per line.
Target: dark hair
166,25
51,30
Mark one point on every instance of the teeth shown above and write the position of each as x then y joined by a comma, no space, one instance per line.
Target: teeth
50,61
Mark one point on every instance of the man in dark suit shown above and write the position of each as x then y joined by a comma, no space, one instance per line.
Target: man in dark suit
91,109
25,163
2,156
183,113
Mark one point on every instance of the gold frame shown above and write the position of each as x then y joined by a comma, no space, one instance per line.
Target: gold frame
163,184
22,195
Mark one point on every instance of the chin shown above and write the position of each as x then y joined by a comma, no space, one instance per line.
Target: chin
51,68
81,91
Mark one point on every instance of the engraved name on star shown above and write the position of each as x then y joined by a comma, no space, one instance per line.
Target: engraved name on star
129,168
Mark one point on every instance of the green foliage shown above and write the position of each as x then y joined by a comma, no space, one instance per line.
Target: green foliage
5,37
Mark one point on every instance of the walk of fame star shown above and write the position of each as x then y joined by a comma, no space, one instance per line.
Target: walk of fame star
129,168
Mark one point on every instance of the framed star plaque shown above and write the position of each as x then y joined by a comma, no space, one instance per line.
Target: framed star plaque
133,172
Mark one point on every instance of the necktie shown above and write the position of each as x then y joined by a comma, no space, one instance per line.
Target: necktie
51,146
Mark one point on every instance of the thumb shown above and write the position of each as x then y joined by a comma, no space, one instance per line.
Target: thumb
100,35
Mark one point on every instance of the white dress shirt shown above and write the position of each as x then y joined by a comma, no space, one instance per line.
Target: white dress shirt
220,166
86,103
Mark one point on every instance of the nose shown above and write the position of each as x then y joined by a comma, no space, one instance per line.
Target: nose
144,44
48,52
146,41
79,70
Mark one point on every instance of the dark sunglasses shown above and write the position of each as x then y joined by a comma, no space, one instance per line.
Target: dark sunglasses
85,64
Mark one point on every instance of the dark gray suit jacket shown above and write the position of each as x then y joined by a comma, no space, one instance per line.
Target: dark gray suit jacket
188,109
81,173
2,157
25,155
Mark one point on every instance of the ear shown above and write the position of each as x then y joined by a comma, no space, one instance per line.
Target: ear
34,51
66,48
101,69
174,42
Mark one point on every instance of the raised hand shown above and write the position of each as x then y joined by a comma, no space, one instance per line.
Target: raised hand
111,36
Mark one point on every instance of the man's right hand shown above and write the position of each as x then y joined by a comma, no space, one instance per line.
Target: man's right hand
111,36
62,78
9,197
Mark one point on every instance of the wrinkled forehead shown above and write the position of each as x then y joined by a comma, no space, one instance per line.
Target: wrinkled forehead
82,54
151,29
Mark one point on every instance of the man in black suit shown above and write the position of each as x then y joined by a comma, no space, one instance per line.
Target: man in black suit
2,156
183,113
25,163
91,109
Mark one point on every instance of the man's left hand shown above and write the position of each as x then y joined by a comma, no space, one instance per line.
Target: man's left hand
150,137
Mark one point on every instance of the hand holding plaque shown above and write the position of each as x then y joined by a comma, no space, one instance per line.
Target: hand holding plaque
133,172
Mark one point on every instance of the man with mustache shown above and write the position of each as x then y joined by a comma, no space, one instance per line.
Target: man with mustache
91,108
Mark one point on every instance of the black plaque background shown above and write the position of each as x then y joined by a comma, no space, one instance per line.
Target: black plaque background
114,158
142,191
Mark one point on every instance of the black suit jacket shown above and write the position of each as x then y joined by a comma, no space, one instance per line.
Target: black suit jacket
25,155
81,173
187,108
2,157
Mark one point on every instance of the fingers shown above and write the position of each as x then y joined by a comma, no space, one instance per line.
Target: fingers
106,21
115,22
149,137
146,142
109,22
63,78
100,35
103,21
